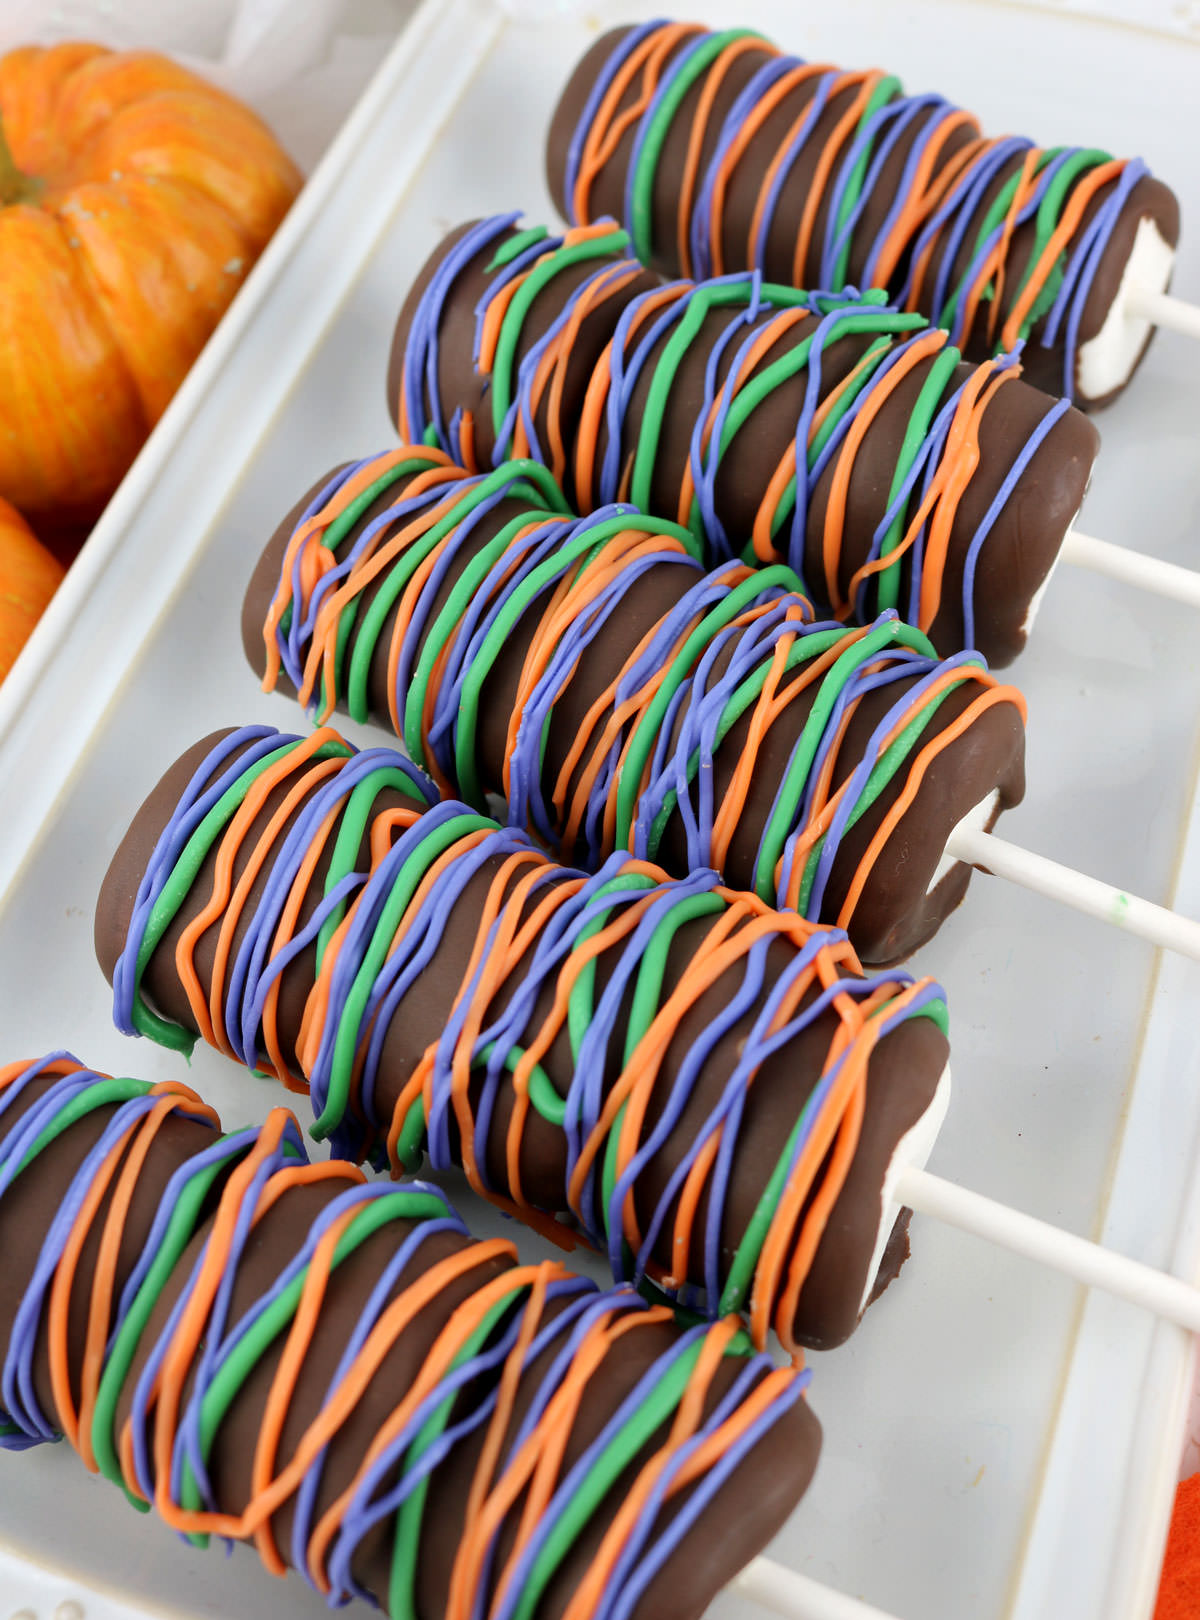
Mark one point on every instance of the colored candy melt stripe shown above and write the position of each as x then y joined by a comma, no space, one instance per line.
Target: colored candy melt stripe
956,203
769,336
738,647
672,1443
537,933
59,1092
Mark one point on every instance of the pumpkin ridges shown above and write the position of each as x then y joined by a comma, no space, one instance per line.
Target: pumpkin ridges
29,577
105,95
175,136
70,418
31,80
15,185
97,91
71,119
87,368
155,252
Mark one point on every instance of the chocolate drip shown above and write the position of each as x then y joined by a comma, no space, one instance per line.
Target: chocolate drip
747,1510
902,1078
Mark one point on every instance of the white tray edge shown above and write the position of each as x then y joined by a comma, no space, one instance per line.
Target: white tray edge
1127,1571
267,309
400,112
459,34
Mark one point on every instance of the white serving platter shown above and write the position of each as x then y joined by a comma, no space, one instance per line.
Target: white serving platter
998,1446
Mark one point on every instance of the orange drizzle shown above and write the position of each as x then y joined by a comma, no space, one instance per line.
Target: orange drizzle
607,129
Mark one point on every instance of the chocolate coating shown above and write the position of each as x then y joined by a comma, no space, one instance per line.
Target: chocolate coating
29,1206
1020,548
900,907
902,1078
1043,362
748,1509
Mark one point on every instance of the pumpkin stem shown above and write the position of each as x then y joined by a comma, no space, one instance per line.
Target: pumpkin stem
15,187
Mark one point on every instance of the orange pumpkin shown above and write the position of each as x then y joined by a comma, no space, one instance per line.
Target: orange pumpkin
134,198
29,577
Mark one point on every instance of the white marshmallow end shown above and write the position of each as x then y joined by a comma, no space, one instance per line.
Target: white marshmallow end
975,820
1035,601
1105,363
912,1153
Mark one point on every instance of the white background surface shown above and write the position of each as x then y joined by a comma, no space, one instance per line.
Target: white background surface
992,1449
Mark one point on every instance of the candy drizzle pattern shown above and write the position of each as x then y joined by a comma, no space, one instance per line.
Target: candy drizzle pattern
958,193
770,335
338,791
138,1112
202,1356
737,643
540,934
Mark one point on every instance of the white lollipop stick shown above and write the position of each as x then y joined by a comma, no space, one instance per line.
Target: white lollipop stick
1103,901
1163,309
1088,1263
783,1591
1132,567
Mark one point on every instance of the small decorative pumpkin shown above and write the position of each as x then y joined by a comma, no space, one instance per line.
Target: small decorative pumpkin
134,198
29,577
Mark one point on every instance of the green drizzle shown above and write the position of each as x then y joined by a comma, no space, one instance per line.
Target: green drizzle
603,246
693,68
